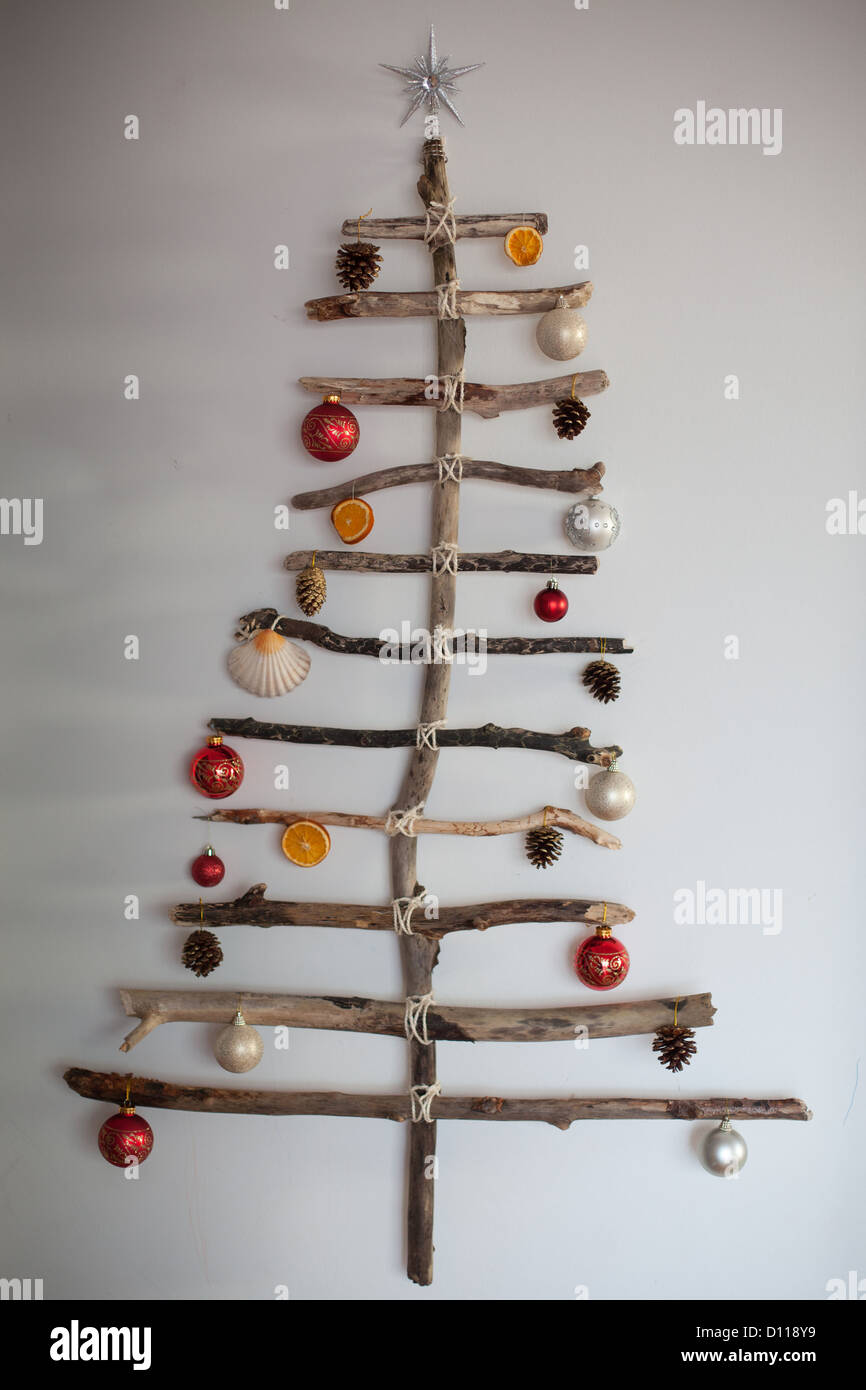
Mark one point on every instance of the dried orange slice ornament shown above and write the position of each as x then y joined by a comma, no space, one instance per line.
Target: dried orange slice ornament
306,843
524,245
353,519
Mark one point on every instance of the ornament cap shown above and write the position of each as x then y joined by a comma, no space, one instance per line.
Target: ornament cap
239,1021
332,398
552,584
126,1108
215,741
209,851
726,1123
604,932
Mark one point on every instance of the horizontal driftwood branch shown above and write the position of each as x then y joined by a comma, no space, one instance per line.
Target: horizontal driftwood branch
302,630
573,743
253,909
351,820
386,1017
557,1111
411,304
490,562
488,401
580,482
476,224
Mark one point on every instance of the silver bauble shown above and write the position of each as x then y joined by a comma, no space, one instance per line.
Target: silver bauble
723,1151
239,1047
610,795
592,525
561,332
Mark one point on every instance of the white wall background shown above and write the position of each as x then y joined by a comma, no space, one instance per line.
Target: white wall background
155,257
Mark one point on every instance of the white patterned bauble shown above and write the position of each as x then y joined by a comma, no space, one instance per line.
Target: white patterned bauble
592,525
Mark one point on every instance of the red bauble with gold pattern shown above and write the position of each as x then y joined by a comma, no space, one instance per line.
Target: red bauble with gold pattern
330,432
216,770
550,603
126,1136
601,962
208,869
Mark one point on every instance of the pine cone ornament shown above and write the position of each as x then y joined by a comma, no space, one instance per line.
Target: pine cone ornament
675,1046
357,265
311,589
601,679
569,418
202,952
544,845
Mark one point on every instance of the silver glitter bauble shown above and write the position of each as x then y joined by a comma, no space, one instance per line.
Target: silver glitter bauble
592,525
610,795
723,1151
561,332
239,1047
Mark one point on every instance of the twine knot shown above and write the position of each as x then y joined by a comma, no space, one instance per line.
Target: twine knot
446,299
453,390
415,1018
402,909
450,468
403,822
444,557
422,1098
425,734
445,226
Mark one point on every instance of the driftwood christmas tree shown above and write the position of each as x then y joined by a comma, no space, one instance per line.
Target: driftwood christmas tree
419,1017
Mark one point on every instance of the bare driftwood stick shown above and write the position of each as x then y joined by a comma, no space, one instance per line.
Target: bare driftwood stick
378,304
481,224
499,561
305,631
386,1017
253,909
557,1111
580,482
351,820
573,743
488,401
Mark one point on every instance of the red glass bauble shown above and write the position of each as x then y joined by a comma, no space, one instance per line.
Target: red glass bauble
208,870
330,432
216,770
601,962
125,1136
550,603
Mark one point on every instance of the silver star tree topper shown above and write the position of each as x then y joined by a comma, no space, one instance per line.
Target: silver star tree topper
431,80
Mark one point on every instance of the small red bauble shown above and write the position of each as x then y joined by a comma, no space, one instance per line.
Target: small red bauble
124,1137
601,962
208,870
216,770
330,432
550,603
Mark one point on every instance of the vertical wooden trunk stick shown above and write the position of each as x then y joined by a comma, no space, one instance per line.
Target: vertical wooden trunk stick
419,956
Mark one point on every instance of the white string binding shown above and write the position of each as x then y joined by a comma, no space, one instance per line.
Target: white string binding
403,822
425,734
450,468
415,1018
445,225
442,648
422,1098
446,300
402,909
453,392
444,557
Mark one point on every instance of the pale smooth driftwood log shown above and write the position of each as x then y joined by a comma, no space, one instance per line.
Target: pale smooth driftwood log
476,224
487,401
573,743
490,562
408,304
302,630
386,1017
253,909
579,482
352,820
557,1110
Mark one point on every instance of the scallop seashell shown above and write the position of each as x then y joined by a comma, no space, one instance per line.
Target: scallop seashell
268,664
